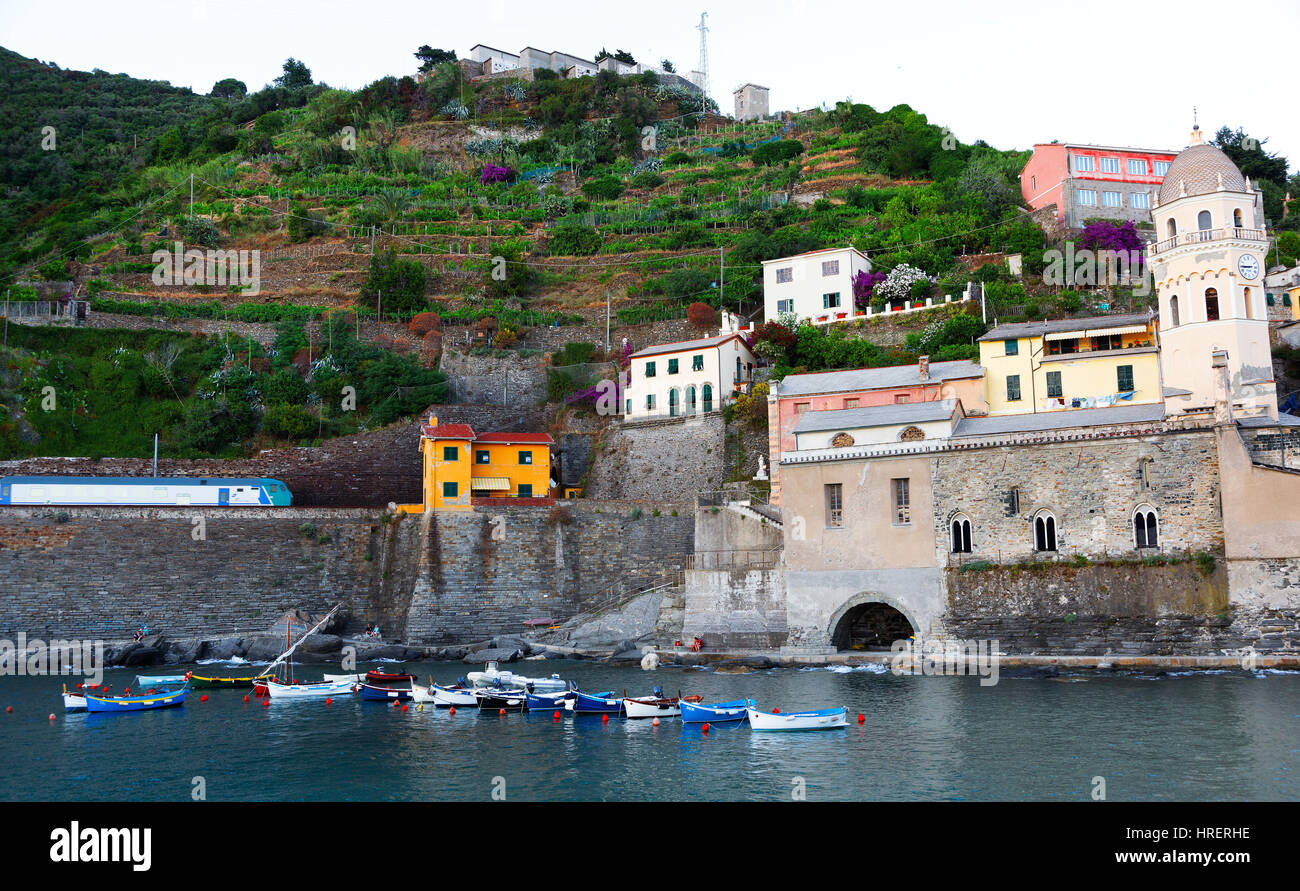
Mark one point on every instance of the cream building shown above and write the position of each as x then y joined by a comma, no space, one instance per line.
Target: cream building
687,378
1209,275
817,285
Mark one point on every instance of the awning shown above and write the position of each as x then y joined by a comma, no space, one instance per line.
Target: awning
1126,329
1066,335
489,484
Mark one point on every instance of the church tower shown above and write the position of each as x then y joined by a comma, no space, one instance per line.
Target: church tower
1208,265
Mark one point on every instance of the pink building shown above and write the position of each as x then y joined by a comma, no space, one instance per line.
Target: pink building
1086,181
925,381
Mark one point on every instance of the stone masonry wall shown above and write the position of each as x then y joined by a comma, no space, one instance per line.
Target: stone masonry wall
672,459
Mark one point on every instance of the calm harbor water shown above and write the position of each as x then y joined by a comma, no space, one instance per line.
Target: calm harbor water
1229,736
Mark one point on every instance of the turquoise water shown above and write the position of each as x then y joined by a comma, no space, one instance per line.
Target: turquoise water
1228,736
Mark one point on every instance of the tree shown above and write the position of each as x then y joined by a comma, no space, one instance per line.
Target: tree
773,152
399,282
668,67
624,56
296,75
1248,154
701,316
229,88
429,57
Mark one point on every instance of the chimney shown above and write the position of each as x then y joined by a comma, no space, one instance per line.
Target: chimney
923,368
433,420
1222,388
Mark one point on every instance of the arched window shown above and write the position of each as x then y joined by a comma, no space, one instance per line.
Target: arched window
708,397
960,534
1173,311
690,400
1044,531
1245,296
1211,305
1146,527
1236,218
911,434
673,399
1203,220
1171,227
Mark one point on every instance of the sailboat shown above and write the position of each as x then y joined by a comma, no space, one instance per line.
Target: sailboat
283,689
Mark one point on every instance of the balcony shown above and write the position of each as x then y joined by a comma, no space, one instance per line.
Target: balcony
1201,236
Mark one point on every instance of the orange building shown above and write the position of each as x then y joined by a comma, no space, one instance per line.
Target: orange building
463,468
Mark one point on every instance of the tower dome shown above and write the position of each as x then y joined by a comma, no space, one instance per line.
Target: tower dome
1200,169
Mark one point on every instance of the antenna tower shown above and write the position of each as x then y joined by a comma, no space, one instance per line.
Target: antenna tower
703,67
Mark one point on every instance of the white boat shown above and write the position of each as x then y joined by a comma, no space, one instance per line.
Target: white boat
160,680
820,719
73,702
444,697
656,705
278,690
345,678
491,674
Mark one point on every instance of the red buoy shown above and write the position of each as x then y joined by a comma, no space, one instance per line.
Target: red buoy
78,685
266,703
329,701
862,719
502,712
604,719
128,691
555,717
452,710
51,716
396,703
9,709
655,722
704,729
203,698
245,697
403,708
776,711
151,691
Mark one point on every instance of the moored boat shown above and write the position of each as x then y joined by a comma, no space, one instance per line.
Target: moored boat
544,702
166,699
206,683
160,680
510,700
375,676
74,701
278,690
817,719
607,703
454,695
718,713
374,693
655,705
345,678
491,675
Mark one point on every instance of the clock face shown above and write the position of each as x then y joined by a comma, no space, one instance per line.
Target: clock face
1248,266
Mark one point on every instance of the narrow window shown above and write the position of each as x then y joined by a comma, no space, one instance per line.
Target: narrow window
960,535
1173,311
1245,296
1045,532
1211,305
697,363
1144,473
1054,385
1171,228
672,403
708,397
902,502
1146,533
690,400
672,366
1013,387
834,505
650,401
1124,376
1236,218
649,369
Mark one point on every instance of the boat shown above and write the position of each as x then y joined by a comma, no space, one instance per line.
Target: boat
373,693
166,699
160,680
818,719
74,701
546,702
205,683
655,705
277,689
607,703
346,678
495,700
491,675
375,676
718,713
447,697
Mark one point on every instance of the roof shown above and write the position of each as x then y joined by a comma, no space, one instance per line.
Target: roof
686,346
1283,420
1018,330
876,378
542,438
742,86
1108,148
876,416
447,431
1061,419
1198,169
820,251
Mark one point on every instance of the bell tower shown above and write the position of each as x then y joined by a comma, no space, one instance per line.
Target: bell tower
1208,266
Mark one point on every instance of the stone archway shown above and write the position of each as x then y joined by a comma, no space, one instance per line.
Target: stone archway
869,622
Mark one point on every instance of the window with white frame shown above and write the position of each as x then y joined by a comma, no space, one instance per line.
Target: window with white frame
1044,531
1109,165
784,275
1085,196
1111,199
831,301
1083,163
902,502
785,306
834,505
1137,166
1146,527
830,267
960,534
1160,167
1139,199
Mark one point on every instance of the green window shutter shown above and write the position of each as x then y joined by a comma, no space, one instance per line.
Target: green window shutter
697,363
1054,384
649,369
450,453
449,490
672,366
1013,387
1125,375
1012,347
525,490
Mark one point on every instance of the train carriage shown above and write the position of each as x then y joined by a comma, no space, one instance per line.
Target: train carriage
144,491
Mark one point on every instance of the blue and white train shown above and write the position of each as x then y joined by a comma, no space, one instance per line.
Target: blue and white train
149,491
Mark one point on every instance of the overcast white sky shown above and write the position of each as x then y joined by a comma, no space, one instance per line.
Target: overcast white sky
1012,73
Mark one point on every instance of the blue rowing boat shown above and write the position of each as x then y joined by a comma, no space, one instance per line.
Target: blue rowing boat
371,693
166,699
696,713
546,702
607,703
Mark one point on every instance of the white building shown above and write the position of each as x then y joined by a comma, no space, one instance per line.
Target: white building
493,59
817,285
751,102
691,377
877,425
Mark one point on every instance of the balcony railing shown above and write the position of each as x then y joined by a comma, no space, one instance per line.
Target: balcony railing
1200,236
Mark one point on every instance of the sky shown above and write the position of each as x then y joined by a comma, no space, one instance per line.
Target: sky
1011,73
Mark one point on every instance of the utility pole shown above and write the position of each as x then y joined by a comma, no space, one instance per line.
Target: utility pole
722,277
607,346
379,310
155,454
191,196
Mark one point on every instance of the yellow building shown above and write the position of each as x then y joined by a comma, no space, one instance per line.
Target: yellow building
1071,363
462,467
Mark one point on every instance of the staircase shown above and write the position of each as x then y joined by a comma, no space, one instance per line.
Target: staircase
764,513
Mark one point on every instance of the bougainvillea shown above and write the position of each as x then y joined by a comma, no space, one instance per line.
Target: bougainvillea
493,173
1107,236
864,283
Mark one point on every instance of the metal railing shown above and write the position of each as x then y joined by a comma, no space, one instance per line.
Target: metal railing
1200,236
744,558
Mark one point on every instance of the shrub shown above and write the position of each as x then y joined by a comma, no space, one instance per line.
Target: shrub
604,188
399,281
575,239
289,421
1204,563
774,152
424,322
676,159
702,316
647,179
559,516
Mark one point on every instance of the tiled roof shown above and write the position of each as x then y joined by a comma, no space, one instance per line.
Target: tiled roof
1057,420
875,416
448,431
875,378
1037,329
685,346
543,438
1198,168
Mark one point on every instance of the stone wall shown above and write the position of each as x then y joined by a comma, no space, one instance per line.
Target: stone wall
735,608
504,380
488,570
673,458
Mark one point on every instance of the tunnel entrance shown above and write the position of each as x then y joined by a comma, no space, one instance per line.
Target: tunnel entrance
871,626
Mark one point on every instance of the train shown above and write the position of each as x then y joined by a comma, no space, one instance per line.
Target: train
150,491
